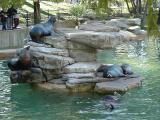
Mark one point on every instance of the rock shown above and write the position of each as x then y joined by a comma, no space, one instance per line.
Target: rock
58,41
50,86
119,85
141,32
81,67
133,22
98,40
98,27
127,35
134,29
83,55
58,81
117,24
34,44
47,61
50,51
78,75
85,87
90,14
6,54
27,76
129,22
77,46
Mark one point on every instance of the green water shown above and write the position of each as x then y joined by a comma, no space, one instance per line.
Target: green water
22,102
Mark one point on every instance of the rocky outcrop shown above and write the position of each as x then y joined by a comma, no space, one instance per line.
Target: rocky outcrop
68,60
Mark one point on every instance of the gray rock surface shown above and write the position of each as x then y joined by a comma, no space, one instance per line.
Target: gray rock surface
50,51
98,40
98,27
78,75
47,61
119,85
81,67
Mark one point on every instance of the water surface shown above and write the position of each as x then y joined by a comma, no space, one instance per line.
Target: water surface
22,102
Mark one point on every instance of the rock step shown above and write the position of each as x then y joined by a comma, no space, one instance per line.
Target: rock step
119,85
47,61
81,67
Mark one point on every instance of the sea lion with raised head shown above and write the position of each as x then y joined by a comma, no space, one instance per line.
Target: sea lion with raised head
41,30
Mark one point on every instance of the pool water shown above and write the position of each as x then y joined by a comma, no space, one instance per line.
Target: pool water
23,102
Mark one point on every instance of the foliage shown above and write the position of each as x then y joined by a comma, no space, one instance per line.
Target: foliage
152,25
77,10
57,1
7,3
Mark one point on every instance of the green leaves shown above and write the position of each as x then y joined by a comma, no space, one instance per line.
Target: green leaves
7,3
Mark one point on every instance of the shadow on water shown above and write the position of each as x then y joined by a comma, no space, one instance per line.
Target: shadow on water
22,102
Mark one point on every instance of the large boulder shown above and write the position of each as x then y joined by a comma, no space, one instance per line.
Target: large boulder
98,40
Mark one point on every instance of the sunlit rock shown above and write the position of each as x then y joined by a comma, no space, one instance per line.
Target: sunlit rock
98,40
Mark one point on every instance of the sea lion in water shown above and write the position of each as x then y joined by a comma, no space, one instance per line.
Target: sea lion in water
43,29
115,70
110,101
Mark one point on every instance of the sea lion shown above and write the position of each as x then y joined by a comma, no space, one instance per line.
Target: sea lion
23,62
115,70
42,29
110,101
127,70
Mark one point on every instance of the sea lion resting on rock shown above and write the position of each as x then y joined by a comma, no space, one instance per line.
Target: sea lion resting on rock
43,29
115,70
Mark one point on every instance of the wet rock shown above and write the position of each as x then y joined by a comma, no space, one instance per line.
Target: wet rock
119,85
34,75
51,86
73,86
81,67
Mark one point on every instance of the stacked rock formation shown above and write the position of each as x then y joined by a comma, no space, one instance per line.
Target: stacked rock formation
70,62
